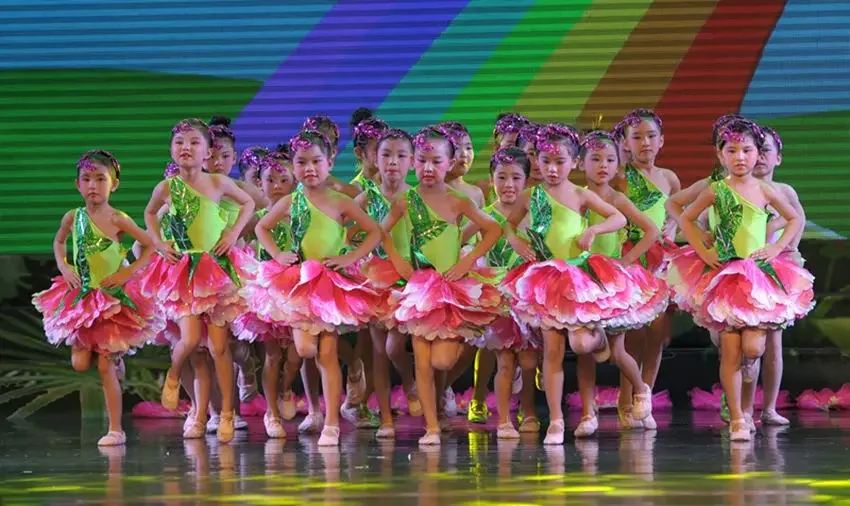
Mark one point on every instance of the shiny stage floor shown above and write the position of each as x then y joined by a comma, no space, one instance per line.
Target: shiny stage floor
689,461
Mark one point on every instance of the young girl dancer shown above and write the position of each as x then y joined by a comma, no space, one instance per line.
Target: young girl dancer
222,159
194,279
94,306
441,304
514,342
779,291
302,289
462,162
586,293
648,187
277,181
366,131
394,157
770,157
599,159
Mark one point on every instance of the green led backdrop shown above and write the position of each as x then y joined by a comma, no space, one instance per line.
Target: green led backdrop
76,75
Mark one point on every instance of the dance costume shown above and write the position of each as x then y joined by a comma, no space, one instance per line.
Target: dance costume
249,326
307,295
744,292
200,284
650,201
506,333
428,305
105,321
567,288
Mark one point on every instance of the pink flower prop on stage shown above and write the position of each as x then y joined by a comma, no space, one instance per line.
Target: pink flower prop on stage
825,399
710,401
151,409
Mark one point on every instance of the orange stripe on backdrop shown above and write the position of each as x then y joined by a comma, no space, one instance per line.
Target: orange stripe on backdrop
643,68
712,80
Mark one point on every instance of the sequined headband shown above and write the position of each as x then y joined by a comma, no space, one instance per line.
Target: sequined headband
312,123
422,141
218,131
511,123
367,129
635,117
502,158
738,129
544,135
253,156
273,163
87,163
302,141
597,140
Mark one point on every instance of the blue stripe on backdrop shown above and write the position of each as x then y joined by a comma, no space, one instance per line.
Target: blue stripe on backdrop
429,89
807,58
354,57
221,38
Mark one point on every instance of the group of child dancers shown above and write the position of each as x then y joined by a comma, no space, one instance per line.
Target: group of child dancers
506,273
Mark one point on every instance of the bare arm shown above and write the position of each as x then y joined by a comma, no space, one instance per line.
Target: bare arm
486,224
352,211
675,205
614,219
158,200
260,200
690,229
60,252
786,210
126,225
342,187
794,200
642,221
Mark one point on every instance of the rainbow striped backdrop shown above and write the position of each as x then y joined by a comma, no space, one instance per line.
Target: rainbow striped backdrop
78,74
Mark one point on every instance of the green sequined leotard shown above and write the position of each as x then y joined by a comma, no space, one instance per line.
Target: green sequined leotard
315,235
433,241
610,244
647,198
281,235
378,207
502,255
741,227
95,254
555,228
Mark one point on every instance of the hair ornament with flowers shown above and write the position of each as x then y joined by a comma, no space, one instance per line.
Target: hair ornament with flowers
510,123
306,139
422,140
171,170
737,130
218,132
88,162
636,116
596,140
548,135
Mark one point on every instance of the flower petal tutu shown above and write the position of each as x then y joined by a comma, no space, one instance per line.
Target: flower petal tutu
657,259
743,293
196,285
506,333
101,321
249,327
555,294
431,307
653,300
310,297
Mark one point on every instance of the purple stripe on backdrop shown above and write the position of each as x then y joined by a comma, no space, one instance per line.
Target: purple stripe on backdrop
354,57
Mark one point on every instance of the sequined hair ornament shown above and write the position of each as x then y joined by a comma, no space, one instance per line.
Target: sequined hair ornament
276,162
369,129
305,139
422,141
597,140
88,162
189,124
720,122
252,157
636,116
395,133
502,157
322,123
510,123
218,132
776,138
549,135
737,130
528,134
